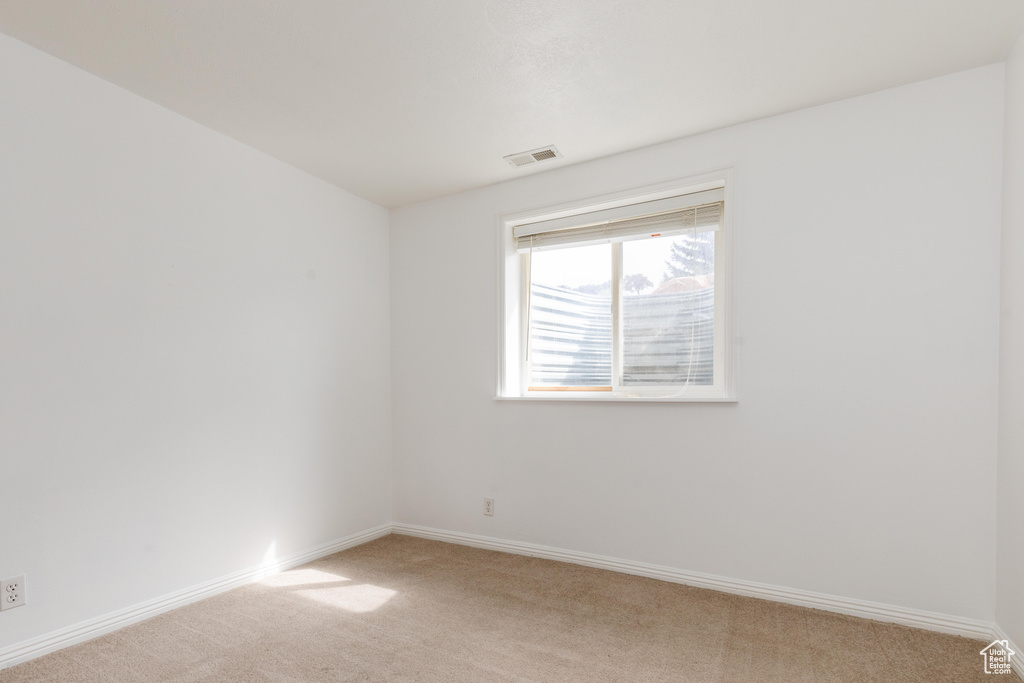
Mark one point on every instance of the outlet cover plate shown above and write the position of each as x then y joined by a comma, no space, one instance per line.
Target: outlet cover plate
12,593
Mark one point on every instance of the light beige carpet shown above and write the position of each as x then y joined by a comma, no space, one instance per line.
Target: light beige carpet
406,609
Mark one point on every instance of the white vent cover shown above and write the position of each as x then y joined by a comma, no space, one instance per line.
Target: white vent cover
533,156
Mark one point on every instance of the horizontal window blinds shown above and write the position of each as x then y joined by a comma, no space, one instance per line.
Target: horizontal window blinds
638,222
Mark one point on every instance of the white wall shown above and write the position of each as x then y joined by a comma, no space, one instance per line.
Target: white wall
861,457
1010,541
193,351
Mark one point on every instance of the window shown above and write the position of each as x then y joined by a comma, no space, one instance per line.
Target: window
622,299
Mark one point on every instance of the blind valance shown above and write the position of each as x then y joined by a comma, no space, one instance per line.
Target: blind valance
698,212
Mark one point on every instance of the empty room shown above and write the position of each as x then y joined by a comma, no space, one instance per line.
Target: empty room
512,340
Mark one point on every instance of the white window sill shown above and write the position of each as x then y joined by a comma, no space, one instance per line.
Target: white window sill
616,399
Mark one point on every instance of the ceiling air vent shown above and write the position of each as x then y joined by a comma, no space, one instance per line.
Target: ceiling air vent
533,156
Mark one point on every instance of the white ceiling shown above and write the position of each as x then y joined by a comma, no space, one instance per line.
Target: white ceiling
404,100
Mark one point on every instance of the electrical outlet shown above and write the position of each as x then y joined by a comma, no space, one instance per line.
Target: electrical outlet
12,593
489,507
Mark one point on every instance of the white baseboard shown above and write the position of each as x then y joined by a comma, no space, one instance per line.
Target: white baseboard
1017,660
36,647
961,626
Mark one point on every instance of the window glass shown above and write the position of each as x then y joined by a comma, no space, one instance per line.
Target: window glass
668,310
571,317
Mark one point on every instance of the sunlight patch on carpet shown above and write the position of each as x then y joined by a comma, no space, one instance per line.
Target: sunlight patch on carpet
359,598
301,577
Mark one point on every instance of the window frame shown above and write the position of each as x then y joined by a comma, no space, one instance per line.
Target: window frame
513,273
